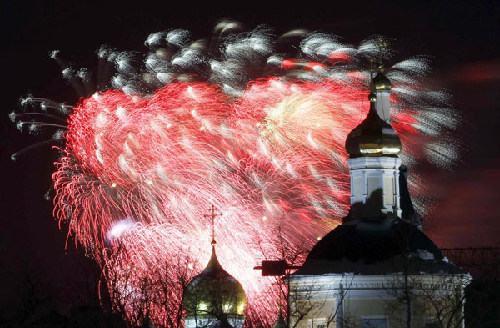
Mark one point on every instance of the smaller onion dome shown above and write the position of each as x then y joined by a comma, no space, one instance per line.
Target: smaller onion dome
214,292
373,137
381,83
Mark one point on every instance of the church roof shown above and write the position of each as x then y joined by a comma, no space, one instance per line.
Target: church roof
376,246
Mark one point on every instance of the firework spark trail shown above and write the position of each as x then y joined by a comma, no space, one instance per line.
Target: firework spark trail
189,127
161,162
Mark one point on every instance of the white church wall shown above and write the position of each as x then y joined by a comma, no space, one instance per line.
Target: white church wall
345,301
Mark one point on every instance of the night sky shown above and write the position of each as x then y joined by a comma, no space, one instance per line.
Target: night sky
462,40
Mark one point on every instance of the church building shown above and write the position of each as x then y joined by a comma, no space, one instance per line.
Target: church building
377,269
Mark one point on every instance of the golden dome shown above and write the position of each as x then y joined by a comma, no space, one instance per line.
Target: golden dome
214,292
373,137
381,83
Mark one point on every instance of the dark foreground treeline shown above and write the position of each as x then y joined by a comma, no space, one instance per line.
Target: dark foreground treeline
482,310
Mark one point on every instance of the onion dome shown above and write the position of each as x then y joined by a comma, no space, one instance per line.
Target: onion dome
381,83
373,137
214,292
376,247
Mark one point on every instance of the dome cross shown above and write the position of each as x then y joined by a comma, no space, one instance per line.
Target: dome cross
381,45
212,215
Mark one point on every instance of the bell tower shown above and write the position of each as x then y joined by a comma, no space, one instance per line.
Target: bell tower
373,148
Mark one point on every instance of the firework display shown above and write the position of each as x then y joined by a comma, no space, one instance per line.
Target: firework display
231,122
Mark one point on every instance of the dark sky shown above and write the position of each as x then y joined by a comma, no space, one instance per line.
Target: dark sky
461,38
